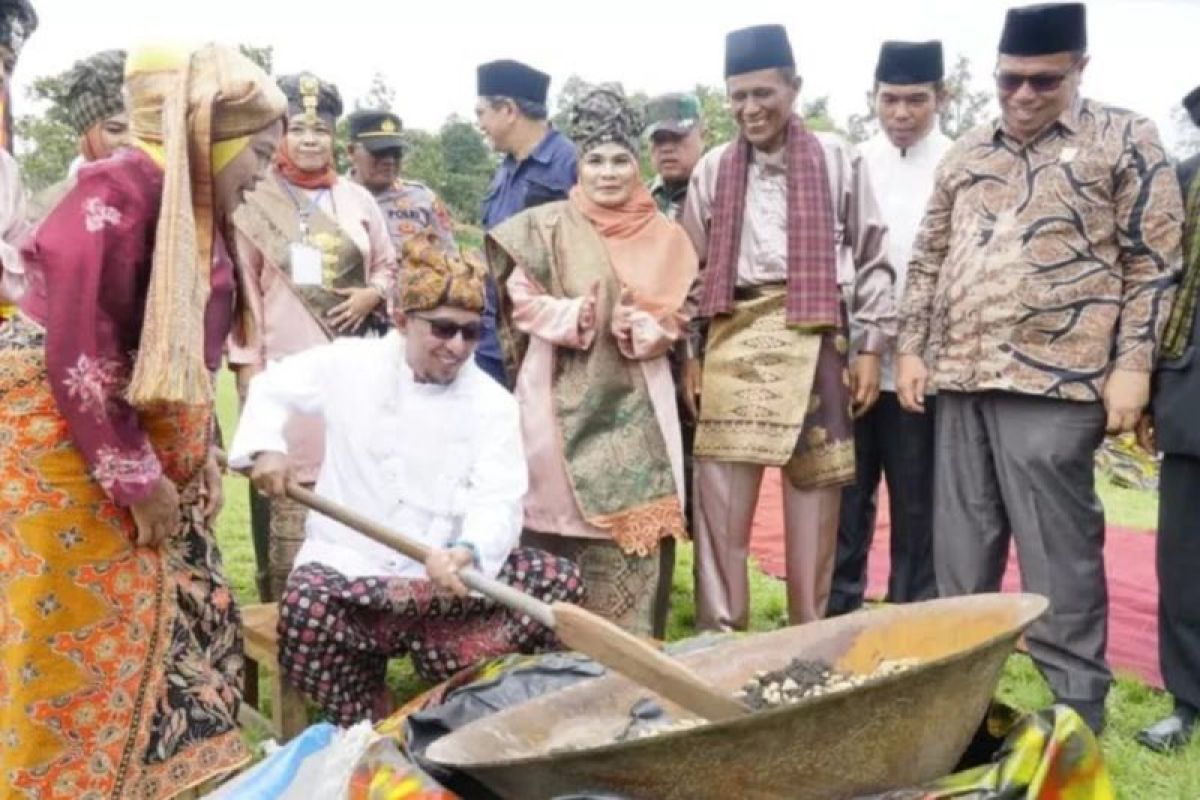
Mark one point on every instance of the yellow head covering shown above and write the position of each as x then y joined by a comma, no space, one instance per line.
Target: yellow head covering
431,277
193,113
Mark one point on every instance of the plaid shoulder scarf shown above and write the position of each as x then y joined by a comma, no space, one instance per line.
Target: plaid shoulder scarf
812,291
1179,324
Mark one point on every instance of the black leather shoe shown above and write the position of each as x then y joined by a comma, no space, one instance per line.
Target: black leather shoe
1170,732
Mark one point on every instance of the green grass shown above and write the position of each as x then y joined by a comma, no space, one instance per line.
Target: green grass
1128,508
1139,774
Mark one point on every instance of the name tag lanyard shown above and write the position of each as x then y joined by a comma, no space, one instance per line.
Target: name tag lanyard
306,260
307,210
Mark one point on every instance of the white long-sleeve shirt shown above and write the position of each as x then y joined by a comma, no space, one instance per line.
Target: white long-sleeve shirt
903,183
440,464
14,226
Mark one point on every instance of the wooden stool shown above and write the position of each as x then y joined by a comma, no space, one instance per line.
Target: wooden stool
288,714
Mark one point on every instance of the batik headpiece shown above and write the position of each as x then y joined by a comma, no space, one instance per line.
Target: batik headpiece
18,21
92,89
1044,29
602,116
431,277
309,95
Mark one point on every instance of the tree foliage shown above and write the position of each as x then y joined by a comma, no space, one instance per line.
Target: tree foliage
45,149
46,144
965,108
380,95
468,168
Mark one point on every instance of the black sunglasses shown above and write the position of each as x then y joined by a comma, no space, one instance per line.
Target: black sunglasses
446,330
1040,82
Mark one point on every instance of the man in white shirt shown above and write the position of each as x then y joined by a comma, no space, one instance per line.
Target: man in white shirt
889,441
420,439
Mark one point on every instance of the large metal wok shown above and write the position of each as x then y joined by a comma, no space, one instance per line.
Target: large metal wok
899,730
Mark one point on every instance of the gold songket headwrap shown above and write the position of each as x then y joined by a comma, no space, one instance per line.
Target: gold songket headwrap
192,112
431,277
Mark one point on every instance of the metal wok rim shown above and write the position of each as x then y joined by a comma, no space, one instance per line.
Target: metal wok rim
1029,603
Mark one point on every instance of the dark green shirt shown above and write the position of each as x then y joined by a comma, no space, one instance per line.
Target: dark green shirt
668,198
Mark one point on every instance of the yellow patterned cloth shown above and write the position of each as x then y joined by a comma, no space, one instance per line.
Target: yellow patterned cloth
120,666
1048,755
758,379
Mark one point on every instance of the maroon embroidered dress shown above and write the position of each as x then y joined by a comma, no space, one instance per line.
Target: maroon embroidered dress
121,667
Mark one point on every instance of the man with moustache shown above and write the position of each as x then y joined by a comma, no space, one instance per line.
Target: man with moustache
418,438
376,154
676,134
793,246
1036,299
889,440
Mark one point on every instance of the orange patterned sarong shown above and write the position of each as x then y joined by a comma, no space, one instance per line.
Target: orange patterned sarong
120,666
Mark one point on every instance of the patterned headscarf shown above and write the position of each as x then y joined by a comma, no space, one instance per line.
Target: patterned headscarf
92,89
431,277
602,116
192,113
17,21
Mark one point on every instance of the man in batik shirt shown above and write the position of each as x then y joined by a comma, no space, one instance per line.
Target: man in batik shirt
1038,290
376,154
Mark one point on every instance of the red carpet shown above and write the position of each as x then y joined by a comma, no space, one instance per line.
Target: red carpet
1129,558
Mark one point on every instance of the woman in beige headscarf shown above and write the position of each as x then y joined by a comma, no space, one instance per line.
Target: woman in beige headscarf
122,661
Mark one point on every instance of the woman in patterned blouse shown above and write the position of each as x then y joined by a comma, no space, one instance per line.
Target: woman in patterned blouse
122,655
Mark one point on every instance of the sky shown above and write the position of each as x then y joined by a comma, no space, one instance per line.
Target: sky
428,50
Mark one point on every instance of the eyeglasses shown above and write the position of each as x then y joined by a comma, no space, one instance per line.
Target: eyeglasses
446,330
1041,82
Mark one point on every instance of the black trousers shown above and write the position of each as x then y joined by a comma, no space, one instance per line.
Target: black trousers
666,575
1178,556
898,445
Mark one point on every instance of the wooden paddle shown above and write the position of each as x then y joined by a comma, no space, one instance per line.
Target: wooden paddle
576,627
